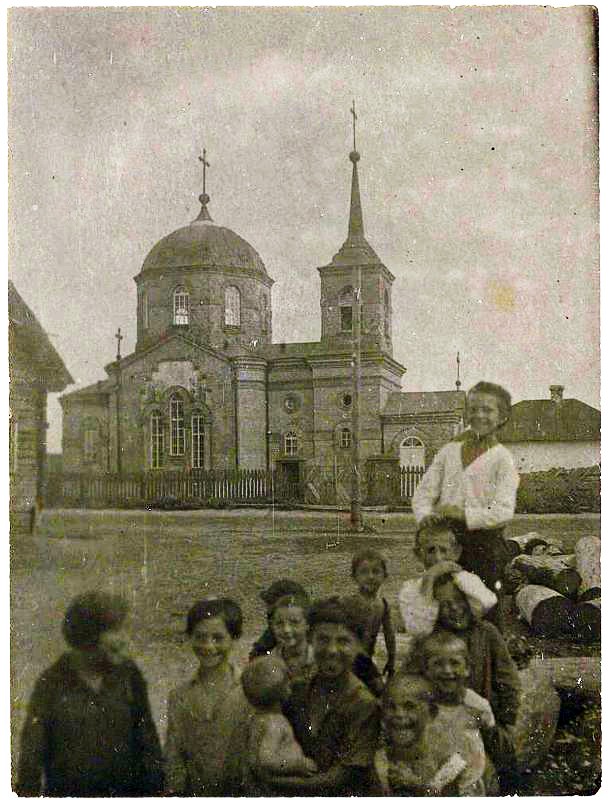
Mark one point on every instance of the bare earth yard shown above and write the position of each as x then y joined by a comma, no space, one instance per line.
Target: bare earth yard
165,561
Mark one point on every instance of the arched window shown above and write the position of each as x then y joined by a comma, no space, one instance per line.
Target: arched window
290,444
198,442
345,304
344,439
156,440
176,429
180,306
412,452
232,306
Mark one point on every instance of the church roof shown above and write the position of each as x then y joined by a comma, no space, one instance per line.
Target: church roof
28,338
203,244
402,403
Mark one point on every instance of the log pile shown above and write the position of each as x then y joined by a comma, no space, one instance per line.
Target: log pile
558,594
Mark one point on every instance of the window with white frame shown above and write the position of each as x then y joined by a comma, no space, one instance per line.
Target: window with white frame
156,440
90,444
412,452
290,444
177,439
198,442
345,304
180,306
232,306
344,439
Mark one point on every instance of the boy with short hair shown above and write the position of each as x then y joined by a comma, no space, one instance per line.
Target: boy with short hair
463,716
334,716
272,748
437,548
369,613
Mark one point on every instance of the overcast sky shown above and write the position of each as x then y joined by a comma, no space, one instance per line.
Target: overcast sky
478,134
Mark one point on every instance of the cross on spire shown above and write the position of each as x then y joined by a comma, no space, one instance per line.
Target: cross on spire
119,338
352,109
205,162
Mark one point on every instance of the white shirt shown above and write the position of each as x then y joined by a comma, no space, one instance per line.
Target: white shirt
485,489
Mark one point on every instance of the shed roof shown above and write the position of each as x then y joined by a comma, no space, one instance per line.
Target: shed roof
552,421
402,403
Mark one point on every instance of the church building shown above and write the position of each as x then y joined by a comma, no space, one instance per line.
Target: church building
207,388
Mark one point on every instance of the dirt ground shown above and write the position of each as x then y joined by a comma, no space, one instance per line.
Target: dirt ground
164,561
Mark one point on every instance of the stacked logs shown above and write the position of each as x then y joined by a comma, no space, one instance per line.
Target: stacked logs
557,593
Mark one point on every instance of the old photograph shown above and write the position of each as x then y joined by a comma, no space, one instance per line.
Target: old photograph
304,403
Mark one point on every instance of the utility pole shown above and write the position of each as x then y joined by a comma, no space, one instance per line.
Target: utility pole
119,456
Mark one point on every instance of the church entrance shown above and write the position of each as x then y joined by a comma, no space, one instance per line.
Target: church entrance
288,483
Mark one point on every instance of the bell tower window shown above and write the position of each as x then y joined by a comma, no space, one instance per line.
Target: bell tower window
180,306
345,304
232,307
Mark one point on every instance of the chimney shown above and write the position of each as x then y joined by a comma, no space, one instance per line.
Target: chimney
556,393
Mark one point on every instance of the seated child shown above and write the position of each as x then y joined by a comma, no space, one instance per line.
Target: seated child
288,624
473,481
492,673
409,765
281,588
272,749
334,716
369,613
89,730
461,713
204,713
437,548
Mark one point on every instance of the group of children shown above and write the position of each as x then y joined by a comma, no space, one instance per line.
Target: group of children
311,714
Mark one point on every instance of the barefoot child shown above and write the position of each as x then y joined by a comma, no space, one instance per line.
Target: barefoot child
369,613
473,481
436,546
409,765
204,712
462,714
89,730
272,749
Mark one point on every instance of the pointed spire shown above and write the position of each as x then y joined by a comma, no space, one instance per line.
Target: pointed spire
204,215
356,217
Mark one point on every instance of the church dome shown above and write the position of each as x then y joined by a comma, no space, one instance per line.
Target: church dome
203,244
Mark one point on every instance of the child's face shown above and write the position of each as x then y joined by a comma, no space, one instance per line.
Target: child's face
455,613
484,412
405,715
437,546
335,648
447,668
211,643
289,625
369,577
113,645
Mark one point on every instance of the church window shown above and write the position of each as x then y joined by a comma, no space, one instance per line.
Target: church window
265,314
156,440
180,306
90,445
345,304
345,439
232,306
198,442
412,452
177,438
145,320
290,444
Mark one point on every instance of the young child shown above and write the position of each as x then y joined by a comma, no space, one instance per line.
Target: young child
369,613
281,588
290,628
334,716
409,765
437,548
203,713
272,748
89,730
492,673
473,481
462,714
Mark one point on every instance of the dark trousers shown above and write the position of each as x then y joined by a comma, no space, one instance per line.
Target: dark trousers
485,553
